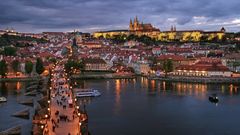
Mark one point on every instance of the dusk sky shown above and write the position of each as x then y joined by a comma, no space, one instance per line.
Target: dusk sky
96,15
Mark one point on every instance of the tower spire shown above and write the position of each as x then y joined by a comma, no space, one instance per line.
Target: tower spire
131,25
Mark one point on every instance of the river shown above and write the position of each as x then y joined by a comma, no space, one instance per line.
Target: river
140,106
14,92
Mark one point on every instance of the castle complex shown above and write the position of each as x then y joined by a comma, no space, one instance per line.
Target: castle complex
139,29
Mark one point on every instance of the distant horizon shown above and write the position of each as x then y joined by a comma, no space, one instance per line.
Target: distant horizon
96,15
79,30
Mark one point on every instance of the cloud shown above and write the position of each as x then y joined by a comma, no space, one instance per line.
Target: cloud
91,15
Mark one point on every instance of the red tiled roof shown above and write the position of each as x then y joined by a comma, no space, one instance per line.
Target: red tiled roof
172,57
205,64
94,61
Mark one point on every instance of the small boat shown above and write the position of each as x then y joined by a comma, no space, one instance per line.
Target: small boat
88,93
213,98
3,99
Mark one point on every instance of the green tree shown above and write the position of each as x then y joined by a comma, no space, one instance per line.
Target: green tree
3,68
132,37
71,65
9,51
167,66
15,65
53,60
39,66
28,67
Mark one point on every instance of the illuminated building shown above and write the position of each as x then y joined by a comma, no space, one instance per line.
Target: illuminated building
108,34
135,28
207,67
139,29
190,35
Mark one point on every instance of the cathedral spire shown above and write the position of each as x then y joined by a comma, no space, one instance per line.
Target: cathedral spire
131,25
135,24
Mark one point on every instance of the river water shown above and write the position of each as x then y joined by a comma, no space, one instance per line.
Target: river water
144,107
14,92
148,107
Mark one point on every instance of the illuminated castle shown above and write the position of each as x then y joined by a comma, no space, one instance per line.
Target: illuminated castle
136,27
139,29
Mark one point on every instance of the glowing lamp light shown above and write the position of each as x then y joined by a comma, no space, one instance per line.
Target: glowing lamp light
48,109
75,99
42,127
79,114
77,107
48,101
46,116
80,123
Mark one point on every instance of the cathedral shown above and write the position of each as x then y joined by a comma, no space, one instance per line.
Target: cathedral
138,28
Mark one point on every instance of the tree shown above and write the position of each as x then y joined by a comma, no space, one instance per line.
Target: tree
39,66
235,64
71,65
3,68
167,66
15,65
53,60
28,67
132,37
9,51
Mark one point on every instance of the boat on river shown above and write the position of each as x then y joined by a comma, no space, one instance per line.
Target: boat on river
87,93
213,98
3,99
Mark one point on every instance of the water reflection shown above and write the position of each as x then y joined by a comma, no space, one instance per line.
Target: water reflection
3,89
11,88
18,86
199,90
118,94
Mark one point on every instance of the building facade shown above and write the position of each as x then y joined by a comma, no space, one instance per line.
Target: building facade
139,29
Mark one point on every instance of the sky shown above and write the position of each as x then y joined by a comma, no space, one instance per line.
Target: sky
97,15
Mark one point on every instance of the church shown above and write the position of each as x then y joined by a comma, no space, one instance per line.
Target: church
139,29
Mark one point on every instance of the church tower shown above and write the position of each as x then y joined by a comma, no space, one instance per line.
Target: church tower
135,23
131,25
171,28
223,29
174,28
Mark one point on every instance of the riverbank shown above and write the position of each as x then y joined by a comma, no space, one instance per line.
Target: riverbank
197,79
36,78
102,76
